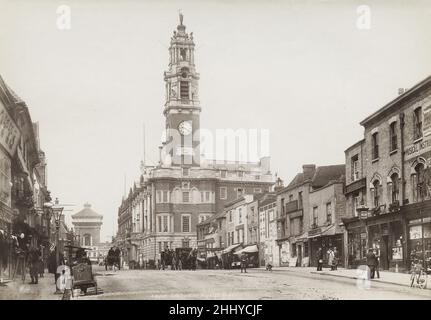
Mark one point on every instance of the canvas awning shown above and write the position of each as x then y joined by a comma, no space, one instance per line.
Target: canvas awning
249,249
328,231
230,248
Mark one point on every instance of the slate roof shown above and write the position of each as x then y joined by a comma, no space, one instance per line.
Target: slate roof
319,177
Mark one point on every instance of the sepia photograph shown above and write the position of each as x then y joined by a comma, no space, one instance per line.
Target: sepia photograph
217,150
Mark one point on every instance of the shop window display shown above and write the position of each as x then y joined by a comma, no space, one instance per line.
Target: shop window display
420,241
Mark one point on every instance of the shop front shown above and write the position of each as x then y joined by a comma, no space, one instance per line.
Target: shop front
383,233
325,238
418,220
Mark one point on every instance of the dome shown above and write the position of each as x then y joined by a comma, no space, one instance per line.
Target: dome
87,212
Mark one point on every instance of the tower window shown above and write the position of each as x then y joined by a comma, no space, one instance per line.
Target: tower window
184,90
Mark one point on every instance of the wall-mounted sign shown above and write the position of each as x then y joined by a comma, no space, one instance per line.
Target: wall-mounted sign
426,127
9,132
418,148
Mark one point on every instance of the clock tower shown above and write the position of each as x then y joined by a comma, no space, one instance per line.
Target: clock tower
182,107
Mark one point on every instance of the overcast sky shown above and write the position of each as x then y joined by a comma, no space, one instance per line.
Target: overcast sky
301,69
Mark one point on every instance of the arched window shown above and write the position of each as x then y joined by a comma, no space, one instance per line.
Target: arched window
419,182
394,187
87,240
376,198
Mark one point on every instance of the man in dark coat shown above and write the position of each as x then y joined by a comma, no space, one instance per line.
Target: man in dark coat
118,257
319,257
371,263
33,260
244,260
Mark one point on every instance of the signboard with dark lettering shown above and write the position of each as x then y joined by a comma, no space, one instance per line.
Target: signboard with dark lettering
9,132
418,148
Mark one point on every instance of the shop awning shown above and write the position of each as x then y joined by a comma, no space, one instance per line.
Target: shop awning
249,249
301,237
230,248
328,231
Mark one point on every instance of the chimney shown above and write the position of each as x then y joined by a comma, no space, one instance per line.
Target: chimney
278,185
402,91
308,168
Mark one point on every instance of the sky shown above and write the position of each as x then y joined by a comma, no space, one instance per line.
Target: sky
308,71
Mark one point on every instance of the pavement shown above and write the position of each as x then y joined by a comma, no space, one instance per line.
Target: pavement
401,279
17,290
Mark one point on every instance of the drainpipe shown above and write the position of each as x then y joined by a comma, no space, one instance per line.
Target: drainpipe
403,190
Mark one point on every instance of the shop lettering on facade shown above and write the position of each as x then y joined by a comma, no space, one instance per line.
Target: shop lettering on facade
9,132
418,148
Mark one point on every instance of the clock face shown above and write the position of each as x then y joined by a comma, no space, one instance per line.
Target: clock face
185,128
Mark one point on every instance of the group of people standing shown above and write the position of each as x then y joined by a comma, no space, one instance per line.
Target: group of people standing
176,260
373,262
332,255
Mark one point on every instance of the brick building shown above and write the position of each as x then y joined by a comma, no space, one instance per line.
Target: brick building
388,182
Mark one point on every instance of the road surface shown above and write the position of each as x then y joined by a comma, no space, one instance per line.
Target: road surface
257,284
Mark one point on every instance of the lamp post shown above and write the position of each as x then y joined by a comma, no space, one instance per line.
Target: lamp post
54,210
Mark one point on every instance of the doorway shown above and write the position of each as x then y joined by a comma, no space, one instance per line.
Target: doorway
299,262
384,253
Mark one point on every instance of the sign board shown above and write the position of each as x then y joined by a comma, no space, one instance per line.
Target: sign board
293,261
397,253
9,132
418,148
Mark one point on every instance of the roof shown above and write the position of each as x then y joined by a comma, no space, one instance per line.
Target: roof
301,178
212,218
319,177
326,174
394,102
86,212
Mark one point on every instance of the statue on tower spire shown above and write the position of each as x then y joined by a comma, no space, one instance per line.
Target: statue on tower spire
181,18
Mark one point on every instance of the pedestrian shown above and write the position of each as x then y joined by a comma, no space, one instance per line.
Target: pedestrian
52,264
41,263
319,259
244,262
331,259
336,258
371,263
174,263
33,259
377,254
180,264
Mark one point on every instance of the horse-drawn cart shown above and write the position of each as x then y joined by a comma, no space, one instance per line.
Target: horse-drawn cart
80,266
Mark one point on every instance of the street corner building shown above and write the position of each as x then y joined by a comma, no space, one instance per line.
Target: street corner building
164,206
388,183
